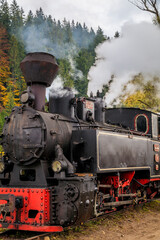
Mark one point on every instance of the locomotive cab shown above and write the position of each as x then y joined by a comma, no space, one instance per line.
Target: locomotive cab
135,119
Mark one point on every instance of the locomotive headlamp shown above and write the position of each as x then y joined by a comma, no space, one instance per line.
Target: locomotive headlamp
25,97
56,166
2,167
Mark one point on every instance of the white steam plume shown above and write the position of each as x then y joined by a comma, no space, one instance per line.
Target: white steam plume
136,51
57,89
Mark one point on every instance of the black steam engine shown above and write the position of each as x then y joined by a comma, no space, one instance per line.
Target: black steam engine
76,161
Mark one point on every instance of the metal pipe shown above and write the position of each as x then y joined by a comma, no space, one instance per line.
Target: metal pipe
39,70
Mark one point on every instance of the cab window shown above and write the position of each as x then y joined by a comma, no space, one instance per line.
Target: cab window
141,123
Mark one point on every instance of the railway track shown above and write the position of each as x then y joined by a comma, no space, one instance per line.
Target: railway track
44,236
13,234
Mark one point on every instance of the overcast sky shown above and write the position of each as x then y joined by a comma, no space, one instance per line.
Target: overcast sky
110,15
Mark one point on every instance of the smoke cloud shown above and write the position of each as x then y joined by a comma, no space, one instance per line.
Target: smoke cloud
57,90
36,39
136,51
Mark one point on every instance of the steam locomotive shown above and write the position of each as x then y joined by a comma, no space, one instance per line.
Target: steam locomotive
76,161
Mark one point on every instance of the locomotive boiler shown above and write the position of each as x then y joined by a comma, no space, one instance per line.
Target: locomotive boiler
75,161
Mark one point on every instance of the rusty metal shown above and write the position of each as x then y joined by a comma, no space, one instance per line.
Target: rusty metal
39,91
39,70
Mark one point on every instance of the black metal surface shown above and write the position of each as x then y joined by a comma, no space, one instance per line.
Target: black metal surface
73,200
125,117
120,151
40,179
86,109
62,104
97,151
30,135
84,150
99,110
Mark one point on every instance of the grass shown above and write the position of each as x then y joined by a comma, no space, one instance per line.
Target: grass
1,149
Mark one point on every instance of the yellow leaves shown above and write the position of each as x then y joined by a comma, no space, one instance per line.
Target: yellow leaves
135,100
2,88
9,101
4,66
145,95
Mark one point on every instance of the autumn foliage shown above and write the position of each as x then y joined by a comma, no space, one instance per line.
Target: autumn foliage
4,66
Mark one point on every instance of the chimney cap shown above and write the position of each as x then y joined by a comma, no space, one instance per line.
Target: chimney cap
39,67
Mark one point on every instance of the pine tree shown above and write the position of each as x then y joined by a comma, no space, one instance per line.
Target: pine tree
99,38
29,19
68,33
77,34
16,55
4,15
66,73
39,17
17,18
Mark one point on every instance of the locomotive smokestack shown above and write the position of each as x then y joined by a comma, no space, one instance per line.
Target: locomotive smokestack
39,70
